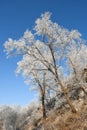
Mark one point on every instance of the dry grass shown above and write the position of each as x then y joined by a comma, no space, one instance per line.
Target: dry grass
69,121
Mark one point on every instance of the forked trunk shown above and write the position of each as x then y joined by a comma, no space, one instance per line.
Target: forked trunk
70,103
67,98
58,80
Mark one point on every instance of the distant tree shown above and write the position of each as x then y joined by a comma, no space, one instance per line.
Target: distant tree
9,117
16,117
44,52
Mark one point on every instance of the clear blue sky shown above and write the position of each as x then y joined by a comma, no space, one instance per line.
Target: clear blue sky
18,15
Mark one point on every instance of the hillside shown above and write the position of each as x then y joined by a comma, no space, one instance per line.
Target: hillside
58,118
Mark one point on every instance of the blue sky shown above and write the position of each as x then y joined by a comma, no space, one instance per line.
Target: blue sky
18,15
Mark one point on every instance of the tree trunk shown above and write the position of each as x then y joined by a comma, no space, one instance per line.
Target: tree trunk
42,92
43,106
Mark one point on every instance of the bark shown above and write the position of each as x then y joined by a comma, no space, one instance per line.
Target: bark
43,107
42,92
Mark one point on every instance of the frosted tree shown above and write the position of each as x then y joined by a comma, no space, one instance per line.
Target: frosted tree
9,117
77,64
16,117
44,53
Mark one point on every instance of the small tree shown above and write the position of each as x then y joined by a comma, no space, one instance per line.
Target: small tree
77,64
44,52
